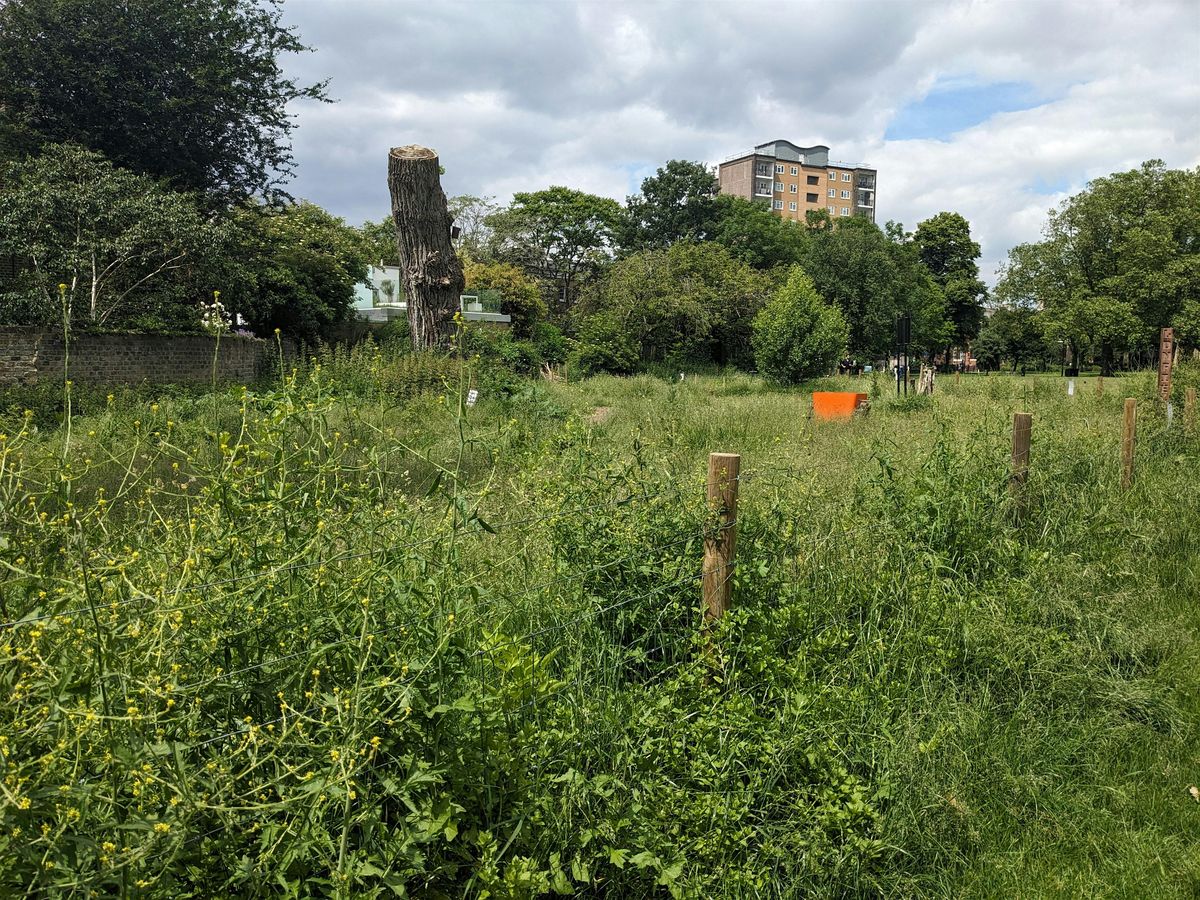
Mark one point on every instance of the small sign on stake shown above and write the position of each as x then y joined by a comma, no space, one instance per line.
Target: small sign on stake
472,396
1166,353
1071,388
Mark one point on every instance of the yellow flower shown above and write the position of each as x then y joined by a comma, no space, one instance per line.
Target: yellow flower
162,827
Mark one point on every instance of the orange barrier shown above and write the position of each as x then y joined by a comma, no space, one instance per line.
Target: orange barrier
836,404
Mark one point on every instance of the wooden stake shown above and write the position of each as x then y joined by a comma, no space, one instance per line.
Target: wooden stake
1022,432
1128,433
1100,386
1189,411
720,549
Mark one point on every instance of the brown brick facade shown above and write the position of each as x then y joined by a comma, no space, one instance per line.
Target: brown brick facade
28,355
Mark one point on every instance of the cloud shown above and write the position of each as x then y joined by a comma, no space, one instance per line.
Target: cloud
520,95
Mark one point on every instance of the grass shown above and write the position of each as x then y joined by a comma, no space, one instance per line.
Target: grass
324,638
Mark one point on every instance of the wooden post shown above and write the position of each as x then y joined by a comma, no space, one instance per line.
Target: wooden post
1099,385
1127,440
720,549
1189,411
431,273
1022,432
956,374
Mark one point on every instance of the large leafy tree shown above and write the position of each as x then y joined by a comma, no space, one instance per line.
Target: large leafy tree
873,279
755,235
192,92
560,236
300,265
1012,333
131,253
945,247
1116,262
690,303
676,203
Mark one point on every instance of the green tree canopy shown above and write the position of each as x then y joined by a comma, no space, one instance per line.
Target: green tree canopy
874,279
676,203
299,268
692,302
188,92
1012,333
751,232
1116,262
945,247
797,335
560,236
132,253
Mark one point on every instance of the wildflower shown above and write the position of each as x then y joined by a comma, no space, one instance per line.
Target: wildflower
334,755
162,827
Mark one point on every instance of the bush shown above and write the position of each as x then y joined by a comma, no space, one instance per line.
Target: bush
604,346
797,335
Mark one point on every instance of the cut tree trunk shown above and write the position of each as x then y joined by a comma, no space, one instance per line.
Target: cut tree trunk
432,273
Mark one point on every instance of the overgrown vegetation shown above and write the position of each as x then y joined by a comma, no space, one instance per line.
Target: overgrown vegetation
342,636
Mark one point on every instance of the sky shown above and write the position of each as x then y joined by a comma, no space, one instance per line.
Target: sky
996,109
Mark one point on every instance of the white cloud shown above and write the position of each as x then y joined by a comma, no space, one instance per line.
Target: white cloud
518,96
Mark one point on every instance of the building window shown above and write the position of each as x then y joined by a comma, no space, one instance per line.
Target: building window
778,168
791,188
779,186
845,210
813,179
833,192
810,198
845,176
779,204
792,206
833,176
832,210
845,195
795,170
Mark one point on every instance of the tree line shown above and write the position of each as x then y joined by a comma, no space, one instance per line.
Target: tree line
144,155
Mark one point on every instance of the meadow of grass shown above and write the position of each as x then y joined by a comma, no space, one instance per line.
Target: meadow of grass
322,637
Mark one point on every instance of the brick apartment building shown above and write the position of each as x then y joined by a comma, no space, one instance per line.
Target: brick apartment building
794,180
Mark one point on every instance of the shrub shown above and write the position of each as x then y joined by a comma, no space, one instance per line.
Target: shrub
797,335
604,345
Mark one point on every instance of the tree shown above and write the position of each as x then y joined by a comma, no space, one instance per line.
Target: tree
1116,262
690,303
1013,333
132,253
560,236
470,215
676,203
299,267
755,235
874,279
945,248
797,335
191,93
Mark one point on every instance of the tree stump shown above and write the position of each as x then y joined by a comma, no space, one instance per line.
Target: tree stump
431,272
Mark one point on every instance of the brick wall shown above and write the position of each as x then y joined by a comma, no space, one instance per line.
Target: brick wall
27,355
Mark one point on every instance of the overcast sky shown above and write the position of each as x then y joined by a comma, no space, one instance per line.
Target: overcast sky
996,110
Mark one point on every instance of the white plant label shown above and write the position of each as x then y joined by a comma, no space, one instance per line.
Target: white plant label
1071,388
472,396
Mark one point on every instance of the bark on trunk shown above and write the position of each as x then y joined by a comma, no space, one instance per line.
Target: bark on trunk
432,273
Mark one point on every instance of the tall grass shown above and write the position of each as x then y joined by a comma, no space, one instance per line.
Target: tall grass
349,639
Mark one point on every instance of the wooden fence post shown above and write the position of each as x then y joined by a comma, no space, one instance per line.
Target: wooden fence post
720,549
1022,432
1189,411
1100,386
1127,441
